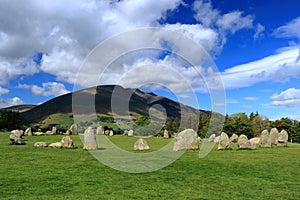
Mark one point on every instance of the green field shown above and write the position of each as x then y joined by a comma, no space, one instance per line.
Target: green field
27,172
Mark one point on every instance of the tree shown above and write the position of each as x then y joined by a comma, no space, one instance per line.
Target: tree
10,120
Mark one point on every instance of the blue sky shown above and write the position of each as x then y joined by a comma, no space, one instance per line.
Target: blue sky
254,44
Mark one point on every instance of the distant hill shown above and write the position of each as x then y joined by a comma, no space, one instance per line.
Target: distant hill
19,108
139,104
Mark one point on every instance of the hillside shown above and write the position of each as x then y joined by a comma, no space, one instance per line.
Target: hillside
139,104
19,108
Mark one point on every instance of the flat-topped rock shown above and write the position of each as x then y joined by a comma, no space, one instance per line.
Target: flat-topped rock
56,145
40,144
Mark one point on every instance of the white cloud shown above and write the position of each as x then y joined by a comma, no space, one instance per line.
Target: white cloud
278,68
10,102
291,29
287,98
250,98
47,89
3,91
259,31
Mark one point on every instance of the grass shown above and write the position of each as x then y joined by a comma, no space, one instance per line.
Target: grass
27,172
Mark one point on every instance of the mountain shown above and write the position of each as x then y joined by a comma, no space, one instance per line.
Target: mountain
19,108
104,97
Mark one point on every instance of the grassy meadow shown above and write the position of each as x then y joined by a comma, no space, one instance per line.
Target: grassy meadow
28,172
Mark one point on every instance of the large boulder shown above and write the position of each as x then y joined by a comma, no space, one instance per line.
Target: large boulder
283,138
16,137
40,144
100,130
89,139
212,137
274,136
186,139
224,142
67,142
130,133
234,138
166,134
73,129
265,140
28,131
244,143
141,144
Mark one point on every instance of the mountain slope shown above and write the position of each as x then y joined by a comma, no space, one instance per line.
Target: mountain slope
106,96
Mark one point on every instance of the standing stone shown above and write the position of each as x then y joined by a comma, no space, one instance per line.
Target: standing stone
111,133
234,138
186,139
40,144
73,129
106,132
28,131
67,142
212,138
54,130
166,134
100,130
224,142
274,136
283,138
265,140
17,133
90,139
244,143
16,137
130,133
68,132
141,144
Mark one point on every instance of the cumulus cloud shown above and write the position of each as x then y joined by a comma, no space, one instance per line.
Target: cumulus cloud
286,98
10,102
47,89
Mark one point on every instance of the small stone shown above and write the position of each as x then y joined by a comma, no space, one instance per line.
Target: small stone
100,130
111,133
49,133
217,139
39,133
73,129
141,144
28,131
67,142
255,140
56,145
166,134
40,144
130,133
54,130
234,138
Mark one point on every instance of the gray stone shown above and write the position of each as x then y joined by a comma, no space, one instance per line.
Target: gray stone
68,132
100,130
16,137
106,132
141,144
111,133
49,133
19,141
56,145
90,139
234,138
39,133
28,131
283,138
244,143
130,133
274,136
73,129
67,142
224,142
265,140
18,133
186,139
212,138
40,144
166,134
